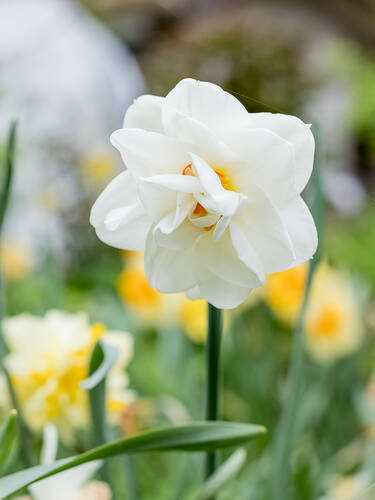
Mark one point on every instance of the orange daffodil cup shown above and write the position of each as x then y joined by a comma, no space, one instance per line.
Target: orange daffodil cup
211,193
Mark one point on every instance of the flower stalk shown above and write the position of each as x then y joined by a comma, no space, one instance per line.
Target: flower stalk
214,332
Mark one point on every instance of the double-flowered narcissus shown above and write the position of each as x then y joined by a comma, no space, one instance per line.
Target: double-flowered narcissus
211,193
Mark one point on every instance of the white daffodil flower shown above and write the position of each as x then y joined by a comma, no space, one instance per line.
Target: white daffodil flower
211,193
67,484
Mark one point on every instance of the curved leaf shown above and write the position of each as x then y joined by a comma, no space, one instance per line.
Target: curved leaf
9,155
198,436
225,473
8,434
103,359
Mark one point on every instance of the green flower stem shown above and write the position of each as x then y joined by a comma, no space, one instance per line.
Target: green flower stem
213,342
286,433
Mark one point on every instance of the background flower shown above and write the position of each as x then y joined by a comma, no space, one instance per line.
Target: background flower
49,358
333,323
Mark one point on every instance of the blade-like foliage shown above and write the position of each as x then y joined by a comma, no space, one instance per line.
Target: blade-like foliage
7,175
103,359
8,434
198,436
223,475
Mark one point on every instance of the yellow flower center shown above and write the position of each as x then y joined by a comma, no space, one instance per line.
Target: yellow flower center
327,323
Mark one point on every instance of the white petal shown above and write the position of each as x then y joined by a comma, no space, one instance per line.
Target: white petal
184,205
176,182
182,238
66,483
145,113
297,133
207,103
221,259
168,270
119,195
205,221
220,227
265,230
268,162
201,140
150,153
301,228
246,252
123,215
214,197
194,293
157,200
218,292
50,445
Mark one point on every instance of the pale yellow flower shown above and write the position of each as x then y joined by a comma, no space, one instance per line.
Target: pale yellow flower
347,488
16,259
192,315
99,168
49,358
333,325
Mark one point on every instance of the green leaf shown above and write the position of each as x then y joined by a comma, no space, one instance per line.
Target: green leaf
7,179
198,436
225,473
8,434
103,359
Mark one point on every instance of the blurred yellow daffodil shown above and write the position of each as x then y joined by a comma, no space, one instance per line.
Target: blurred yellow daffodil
15,258
333,325
48,359
155,309
98,168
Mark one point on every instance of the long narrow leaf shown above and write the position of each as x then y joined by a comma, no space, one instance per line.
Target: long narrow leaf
223,475
8,434
7,179
103,359
199,436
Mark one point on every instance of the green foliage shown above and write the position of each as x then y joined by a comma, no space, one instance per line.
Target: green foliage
8,434
199,436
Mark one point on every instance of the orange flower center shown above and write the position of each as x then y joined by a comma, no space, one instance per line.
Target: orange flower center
327,323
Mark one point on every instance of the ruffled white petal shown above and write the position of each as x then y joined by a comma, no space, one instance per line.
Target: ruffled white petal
217,291
268,162
145,113
301,229
246,252
176,182
214,197
117,216
169,270
207,103
183,237
221,259
184,205
298,134
265,230
201,140
150,153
